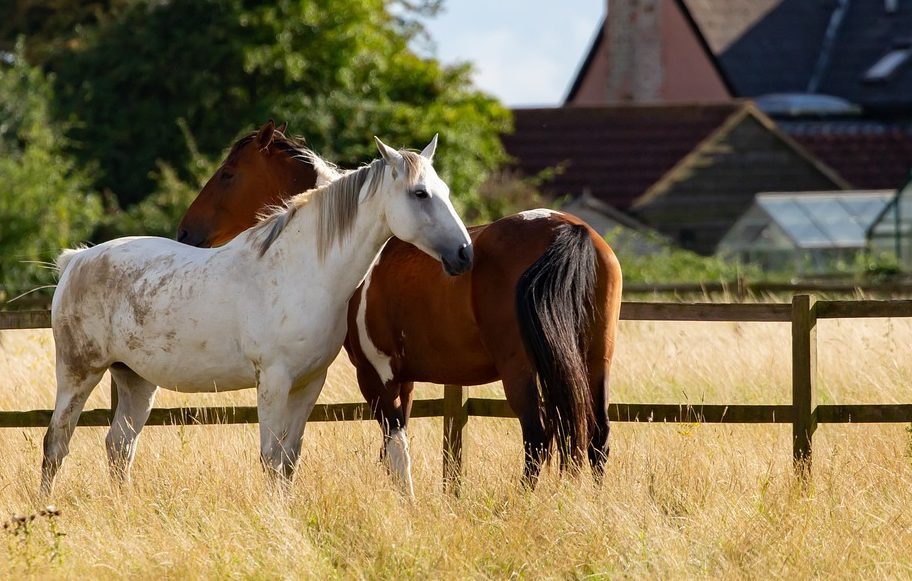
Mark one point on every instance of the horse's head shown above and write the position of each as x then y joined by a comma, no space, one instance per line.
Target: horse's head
419,211
262,169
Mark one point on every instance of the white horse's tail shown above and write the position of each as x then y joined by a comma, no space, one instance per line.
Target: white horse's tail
65,257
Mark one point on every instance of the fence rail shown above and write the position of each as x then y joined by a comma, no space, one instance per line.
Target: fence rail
742,288
803,413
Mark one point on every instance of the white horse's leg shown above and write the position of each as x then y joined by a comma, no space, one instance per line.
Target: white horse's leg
283,411
135,396
73,389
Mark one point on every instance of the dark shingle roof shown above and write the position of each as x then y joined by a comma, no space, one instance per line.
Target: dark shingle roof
868,33
616,153
783,47
868,154
778,53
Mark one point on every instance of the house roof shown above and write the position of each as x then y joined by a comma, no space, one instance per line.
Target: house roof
782,46
598,44
868,154
825,219
627,155
617,153
724,21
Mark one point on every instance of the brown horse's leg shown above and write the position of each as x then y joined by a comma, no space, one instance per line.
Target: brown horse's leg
522,395
598,443
391,403
406,395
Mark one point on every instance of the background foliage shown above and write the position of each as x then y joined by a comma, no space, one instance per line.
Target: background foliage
46,201
148,94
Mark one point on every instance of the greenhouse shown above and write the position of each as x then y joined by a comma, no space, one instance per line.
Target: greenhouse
805,233
891,233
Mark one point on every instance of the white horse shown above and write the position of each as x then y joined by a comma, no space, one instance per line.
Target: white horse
266,310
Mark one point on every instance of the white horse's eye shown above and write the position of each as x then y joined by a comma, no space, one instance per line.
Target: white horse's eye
421,194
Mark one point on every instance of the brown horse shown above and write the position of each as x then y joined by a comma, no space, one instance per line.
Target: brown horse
539,311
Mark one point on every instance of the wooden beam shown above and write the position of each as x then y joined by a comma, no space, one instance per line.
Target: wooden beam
750,312
898,413
25,320
804,380
478,407
863,309
455,418
651,412
708,414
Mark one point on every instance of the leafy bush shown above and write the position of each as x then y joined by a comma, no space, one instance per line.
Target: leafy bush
160,212
670,265
45,201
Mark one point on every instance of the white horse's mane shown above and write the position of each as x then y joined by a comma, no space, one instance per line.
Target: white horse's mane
337,203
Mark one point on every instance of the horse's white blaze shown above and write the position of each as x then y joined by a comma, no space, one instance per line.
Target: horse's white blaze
400,462
538,213
380,361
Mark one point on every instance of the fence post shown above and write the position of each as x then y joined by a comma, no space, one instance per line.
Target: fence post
804,381
455,417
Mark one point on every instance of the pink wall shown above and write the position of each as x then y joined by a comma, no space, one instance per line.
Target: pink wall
689,73
649,58
594,88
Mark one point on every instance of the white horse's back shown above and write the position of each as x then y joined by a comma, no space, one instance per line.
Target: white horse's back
161,308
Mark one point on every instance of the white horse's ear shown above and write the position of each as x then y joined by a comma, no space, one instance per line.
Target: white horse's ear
390,155
428,152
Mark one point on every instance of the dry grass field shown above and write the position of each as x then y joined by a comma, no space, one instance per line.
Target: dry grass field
679,501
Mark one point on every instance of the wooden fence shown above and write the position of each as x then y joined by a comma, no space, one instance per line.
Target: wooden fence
741,289
804,414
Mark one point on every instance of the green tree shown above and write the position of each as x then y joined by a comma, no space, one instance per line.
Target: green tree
45,201
49,25
159,213
339,71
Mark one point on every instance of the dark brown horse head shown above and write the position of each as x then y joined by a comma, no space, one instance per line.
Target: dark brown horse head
262,169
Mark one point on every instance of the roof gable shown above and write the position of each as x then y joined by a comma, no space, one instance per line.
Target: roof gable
708,147
649,52
617,153
707,191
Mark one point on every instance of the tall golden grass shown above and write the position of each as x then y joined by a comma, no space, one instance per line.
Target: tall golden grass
678,501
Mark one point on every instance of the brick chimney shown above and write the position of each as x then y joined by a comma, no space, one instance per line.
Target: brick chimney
633,42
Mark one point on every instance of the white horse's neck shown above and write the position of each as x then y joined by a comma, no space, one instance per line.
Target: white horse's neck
347,259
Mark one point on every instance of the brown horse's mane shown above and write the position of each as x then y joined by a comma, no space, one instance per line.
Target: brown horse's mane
295,148
337,204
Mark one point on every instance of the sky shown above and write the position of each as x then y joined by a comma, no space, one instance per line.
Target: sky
525,52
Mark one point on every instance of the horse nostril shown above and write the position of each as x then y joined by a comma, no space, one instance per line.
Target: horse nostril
466,252
182,234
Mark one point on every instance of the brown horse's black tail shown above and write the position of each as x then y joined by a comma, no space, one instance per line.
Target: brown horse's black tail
554,306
